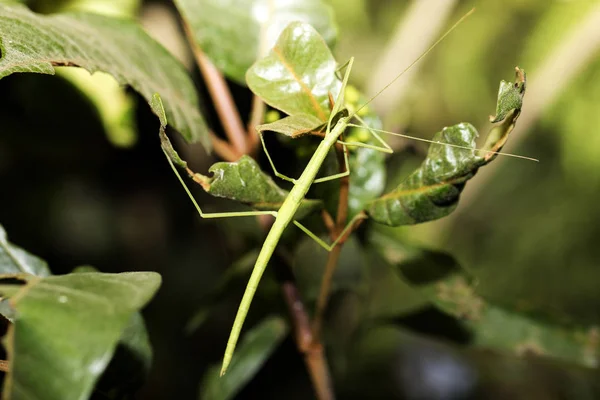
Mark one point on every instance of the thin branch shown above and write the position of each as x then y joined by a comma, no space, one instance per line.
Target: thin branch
334,254
221,96
314,356
257,116
223,149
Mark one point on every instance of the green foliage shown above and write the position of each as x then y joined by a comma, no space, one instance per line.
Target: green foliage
235,33
452,290
14,260
63,41
65,329
524,292
244,181
256,348
298,75
433,190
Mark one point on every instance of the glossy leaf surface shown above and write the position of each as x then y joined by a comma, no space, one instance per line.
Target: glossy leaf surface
433,190
37,43
66,329
234,34
298,74
256,347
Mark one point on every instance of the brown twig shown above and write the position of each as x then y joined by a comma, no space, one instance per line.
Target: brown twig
314,356
223,149
334,254
4,366
257,116
221,97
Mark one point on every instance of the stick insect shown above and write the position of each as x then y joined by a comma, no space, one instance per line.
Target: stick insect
339,119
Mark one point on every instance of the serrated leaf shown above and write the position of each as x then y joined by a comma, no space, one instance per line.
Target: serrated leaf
298,74
449,288
66,329
293,126
433,190
256,347
15,260
244,181
234,34
38,43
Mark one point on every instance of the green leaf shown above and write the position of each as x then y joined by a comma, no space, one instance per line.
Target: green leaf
37,43
234,34
439,277
256,347
132,360
293,126
66,329
510,96
244,181
433,190
14,260
298,74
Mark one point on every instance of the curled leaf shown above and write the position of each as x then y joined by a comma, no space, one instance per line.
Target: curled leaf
433,190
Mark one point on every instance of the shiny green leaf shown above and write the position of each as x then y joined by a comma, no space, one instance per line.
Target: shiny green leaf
433,190
14,260
298,74
118,47
439,277
293,126
234,34
244,181
66,329
255,348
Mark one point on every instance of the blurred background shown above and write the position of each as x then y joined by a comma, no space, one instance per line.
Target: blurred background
85,183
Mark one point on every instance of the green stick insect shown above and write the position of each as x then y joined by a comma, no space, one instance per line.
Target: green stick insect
299,43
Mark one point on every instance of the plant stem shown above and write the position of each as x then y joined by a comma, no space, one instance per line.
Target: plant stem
314,356
257,116
223,149
334,254
221,97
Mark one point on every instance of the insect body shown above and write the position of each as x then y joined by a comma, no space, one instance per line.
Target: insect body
306,115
